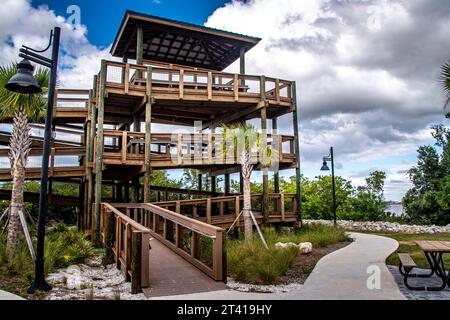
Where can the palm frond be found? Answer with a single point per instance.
(445, 81)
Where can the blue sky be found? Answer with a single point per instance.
(366, 71)
(193, 11)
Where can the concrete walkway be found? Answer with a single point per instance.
(355, 272)
(9, 296)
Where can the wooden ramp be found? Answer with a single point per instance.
(170, 274)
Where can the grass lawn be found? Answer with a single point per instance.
(407, 245)
(251, 262)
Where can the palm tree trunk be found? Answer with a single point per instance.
(19, 144)
(246, 174)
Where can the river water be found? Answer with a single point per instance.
(396, 209)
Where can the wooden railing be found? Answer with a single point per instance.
(122, 147)
(71, 101)
(183, 236)
(129, 242)
(282, 207)
(183, 81)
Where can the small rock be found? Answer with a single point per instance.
(305, 247)
(281, 245)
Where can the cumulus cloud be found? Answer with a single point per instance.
(20, 23)
(366, 70)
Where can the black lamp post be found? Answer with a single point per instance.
(24, 82)
(330, 157)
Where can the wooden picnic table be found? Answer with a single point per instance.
(434, 251)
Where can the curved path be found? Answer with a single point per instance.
(355, 272)
(4, 295)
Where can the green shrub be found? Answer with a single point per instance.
(65, 246)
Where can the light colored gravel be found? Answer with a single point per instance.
(80, 282)
(382, 226)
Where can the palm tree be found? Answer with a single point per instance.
(245, 144)
(21, 108)
(445, 80)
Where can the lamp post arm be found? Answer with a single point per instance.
(38, 61)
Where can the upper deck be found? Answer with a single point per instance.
(182, 95)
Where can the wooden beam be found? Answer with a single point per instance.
(90, 158)
(99, 151)
(230, 117)
(297, 153)
(139, 48)
(242, 61)
(265, 173)
(276, 175)
(148, 132)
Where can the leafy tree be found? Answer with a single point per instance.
(428, 200)
(368, 202)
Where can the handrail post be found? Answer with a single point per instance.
(208, 210)
(136, 248)
(109, 237)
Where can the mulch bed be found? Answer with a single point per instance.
(305, 263)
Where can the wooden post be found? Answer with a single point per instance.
(109, 237)
(276, 175)
(99, 151)
(126, 191)
(227, 184)
(265, 198)
(136, 262)
(242, 61)
(213, 185)
(297, 154)
(139, 48)
(148, 133)
(237, 209)
(241, 183)
(199, 176)
(194, 245)
(208, 210)
(135, 190)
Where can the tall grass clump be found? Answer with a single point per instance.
(251, 262)
(319, 235)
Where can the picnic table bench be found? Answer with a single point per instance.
(434, 251)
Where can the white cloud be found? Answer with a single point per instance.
(20, 23)
(366, 71)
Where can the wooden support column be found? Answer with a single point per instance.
(148, 133)
(139, 48)
(199, 176)
(227, 184)
(90, 170)
(99, 152)
(265, 176)
(80, 212)
(213, 185)
(136, 260)
(297, 154)
(126, 191)
(135, 190)
(242, 61)
(276, 175)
